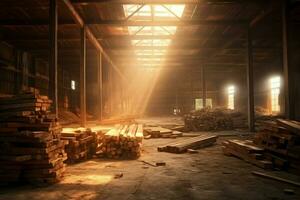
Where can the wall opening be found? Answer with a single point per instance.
(231, 94)
(199, 103)
(275, 91)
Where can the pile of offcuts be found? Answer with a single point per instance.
(214, 119)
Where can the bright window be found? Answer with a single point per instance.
(73, 85)
(275, 91)
(199, 103)
(231, 91)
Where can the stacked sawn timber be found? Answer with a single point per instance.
(247, 151)
(208, 119)
(30, 145)
(281, 140)
(123, 141)
(160, 132)
(81, 143)
(192, 143)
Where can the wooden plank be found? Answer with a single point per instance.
(139, 132)
(264, 175)
(191, 143)
(292, 126)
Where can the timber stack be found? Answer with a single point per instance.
(247, 151)
(81, 143)
(123, 141)
(209, 119)
(30, 145)
(281, 140)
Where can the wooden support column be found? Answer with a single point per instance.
(83, 77)
(110, 90)
(192, 97)
(100, 85)
(250, 83)
(53, 93)
(203, 86)
(287, 69)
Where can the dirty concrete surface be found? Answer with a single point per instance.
(206, 175)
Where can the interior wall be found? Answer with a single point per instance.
(20, 69)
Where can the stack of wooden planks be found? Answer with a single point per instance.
(192, 143)
(30, 145)
(160, 132)
(216, 119)
(246, 150)
(123, 141)
(81, 143)
(281, 141)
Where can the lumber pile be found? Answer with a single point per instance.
(281, 140)
(247, 151)
(209, 119)
(192, 143)
(123, 141)
(30, 145)
(160, 132)
(81, 143)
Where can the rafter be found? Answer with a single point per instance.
(183, 22)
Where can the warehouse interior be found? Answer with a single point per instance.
(149, 99)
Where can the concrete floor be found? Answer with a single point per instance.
(206, 175)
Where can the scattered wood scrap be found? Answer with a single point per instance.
(30, 145)
(246, 150)
(192, 143)
(123, 141)
(154, 164)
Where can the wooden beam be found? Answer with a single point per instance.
(287, 69)
(182, 22)
(263, 14)
(186, 37)
(83, 77)
(53, 93)
(250, 86)
(169, 48)
(85, 2)
(91, 36)
(253, 22)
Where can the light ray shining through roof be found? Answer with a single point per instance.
(139, 12)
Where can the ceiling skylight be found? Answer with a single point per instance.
(142, 12)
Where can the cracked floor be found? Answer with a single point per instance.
(206, 175)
